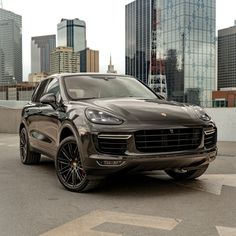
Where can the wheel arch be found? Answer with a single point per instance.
(67, 130)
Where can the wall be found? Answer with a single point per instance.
(225, 119)
(9, 120)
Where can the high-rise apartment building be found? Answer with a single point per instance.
(41, 47)
(227, 58)
(64, 60)
(72, 33)
(173, 40)
(10, 47)
(89, 60)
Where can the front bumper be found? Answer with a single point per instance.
(98, 163)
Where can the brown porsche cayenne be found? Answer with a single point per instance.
(94, 125)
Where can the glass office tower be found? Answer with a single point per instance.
(173, 39)
(72, 33)
(10, 47)
(227, 58)
(41, 47)
(138, 39)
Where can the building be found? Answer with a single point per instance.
(64, 60)
(41, 48)
(10, 47)
(137, 39)
(72, 33)
(37, 77)
(227, 57)
(180, 33)
(2, 66)
(158, 82)
(111, 68)
(89, 60)
(226, 97)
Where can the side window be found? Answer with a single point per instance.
(39, 91)
(33, 97)
(53, 87)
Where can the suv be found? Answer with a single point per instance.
(94, 125)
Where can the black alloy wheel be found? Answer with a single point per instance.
(179, 174)
(69, 167)
(27, 156)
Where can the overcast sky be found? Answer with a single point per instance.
(105, 22)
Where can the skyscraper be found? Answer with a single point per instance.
(227, 58)
(72, 33)
(41, 47)
(173, 39)
(10, 47)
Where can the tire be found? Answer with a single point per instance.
(27, 156)
(188, 174)
(69, 167)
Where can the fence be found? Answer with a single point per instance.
(17, 92)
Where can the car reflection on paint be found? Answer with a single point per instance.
(94, 125)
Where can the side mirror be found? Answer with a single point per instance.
(50, 99)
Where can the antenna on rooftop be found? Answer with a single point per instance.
(1, 4)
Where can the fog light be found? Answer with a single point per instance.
(109, 163)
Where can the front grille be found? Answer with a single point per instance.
(168, 140)
(210, 137)
(112, 144)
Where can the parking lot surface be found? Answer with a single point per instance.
(33, 202)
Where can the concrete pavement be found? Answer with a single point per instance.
(32, 201)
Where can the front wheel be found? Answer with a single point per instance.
(179, 174)
(69, 167)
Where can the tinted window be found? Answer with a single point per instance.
(53, 87)
(39, 91)
(82, 87)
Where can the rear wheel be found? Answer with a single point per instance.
(27, 156)
(69, 167)
(179, 174)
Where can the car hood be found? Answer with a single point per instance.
(143, 110)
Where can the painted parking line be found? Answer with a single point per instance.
(85, 224)
(226, 231)
(9, 145)
(13, 145)
(211, 183)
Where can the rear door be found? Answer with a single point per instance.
(31, 112)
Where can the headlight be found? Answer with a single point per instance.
(102, 117)
(201, 113)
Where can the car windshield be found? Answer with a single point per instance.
(89, 87)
